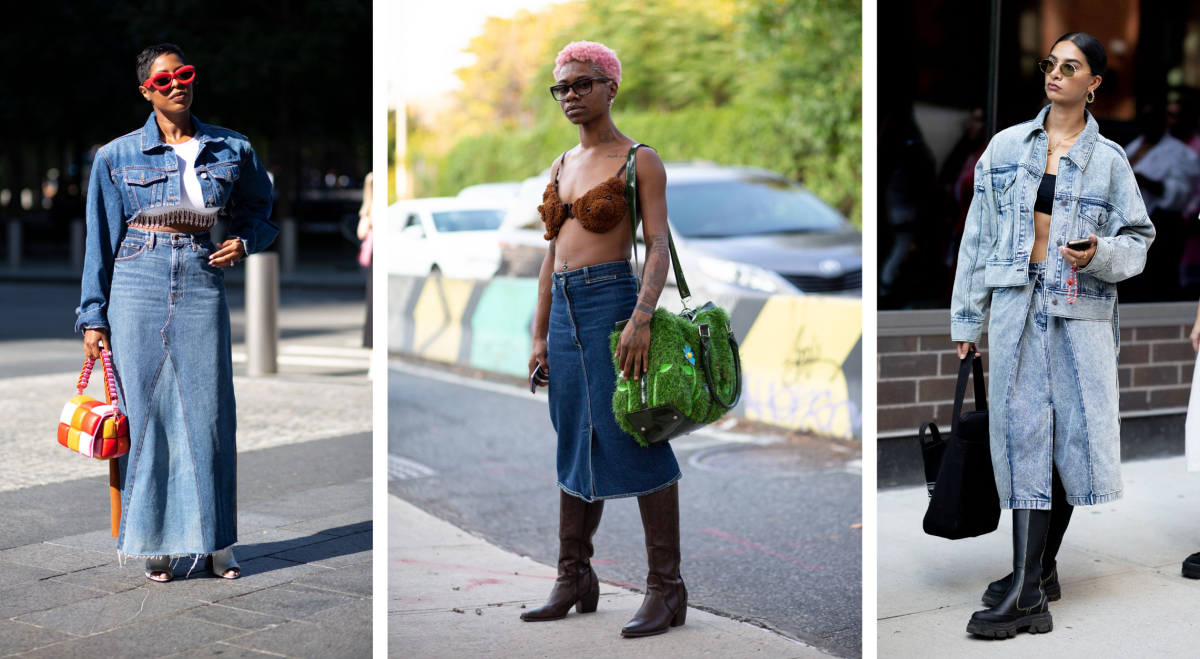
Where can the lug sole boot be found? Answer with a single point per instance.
(1025, 606)
(1191, 566)
(1060, 517)
(576, 584)
(665, 603)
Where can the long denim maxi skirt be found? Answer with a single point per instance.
(596, 459)
(1053, 399)
(169, 324)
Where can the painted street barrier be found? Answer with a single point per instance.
(801, 355)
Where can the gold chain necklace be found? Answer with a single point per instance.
(1051, 152)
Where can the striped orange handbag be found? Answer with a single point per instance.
(90, 427)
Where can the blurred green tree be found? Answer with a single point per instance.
(771, 83)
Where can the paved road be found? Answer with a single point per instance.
(766, 529)
(320, 329)
(304, 495)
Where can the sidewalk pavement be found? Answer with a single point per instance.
(304, 545)
(451, 594)
(272, 411)
(1123, 594)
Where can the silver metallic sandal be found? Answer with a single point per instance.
(223, 564)
(158, 568)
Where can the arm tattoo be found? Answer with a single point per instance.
(658, 259)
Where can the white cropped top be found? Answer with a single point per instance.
(191, 209)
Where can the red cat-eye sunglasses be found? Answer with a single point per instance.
(161, 81)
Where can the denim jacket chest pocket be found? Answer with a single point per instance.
(1008, 215)
(144, 187)
(217, 181)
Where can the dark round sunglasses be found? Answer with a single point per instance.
(1068, 69)
(582, 87)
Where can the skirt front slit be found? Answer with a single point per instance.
(596, 458)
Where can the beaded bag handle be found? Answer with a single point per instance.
(110, 383)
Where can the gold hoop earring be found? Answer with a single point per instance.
(1091, 97)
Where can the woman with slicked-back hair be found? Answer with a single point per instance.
(1056, 221)
(154, 294)
(586, 286)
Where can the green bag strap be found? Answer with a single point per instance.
(631, 199)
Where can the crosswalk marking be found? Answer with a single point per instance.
(404, 469)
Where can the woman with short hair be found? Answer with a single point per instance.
(154, 294)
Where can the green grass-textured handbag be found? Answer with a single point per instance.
(695, 372)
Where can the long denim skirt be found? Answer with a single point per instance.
(596, 459)
(169, 324)
(1053, 400)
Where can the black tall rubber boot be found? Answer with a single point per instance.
(1025, 606)
(1060, 517)
(577, 584)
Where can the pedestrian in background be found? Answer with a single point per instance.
(585, 287)
(153, 293)
(366, 255)
(1053, 334)
(1166, 170)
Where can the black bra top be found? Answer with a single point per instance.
(1045, 195)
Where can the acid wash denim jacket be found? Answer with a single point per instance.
(1094, 192)
(139, 171)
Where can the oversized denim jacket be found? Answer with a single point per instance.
(1095, 192)
(139, 171)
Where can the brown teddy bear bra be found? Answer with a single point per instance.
(599, 210)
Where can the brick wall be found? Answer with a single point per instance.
(918, 366)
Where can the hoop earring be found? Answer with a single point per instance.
(1091, 97)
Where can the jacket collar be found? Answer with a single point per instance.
(1081, 151)
(152, 137)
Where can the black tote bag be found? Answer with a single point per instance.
(963, 502)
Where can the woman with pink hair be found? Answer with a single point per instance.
(586, 286)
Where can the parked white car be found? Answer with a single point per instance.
(454, 236)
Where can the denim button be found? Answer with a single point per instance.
(1060, 242)
(1054, 302)
(203, 174)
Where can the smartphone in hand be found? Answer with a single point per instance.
(536, 378)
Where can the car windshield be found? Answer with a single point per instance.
(747, 206)
(475, 220)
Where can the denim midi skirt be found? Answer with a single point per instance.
(1053, 400)
(169, 326)
(596, 459)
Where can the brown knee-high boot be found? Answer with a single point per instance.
(577, 584)
(665, 604)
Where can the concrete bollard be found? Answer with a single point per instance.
(262, 313)
(78, 232)
(288, 235)
(14, 244)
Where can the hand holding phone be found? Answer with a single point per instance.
(537, 379)
(1079, 252)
